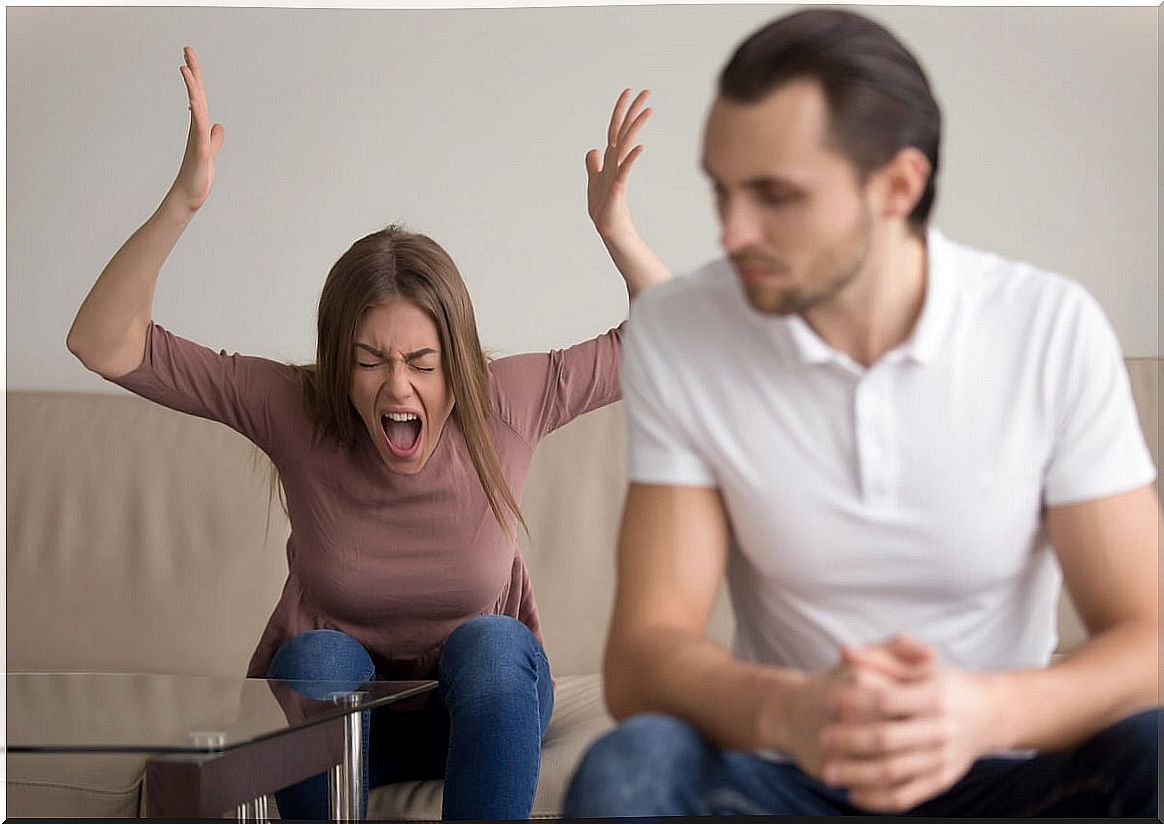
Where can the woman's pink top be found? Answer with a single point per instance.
(395, 561)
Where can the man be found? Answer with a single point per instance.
(894, 446)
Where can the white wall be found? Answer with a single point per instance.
(471, 125)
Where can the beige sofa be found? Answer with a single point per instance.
(140, 539)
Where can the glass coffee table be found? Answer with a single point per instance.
(213, 744)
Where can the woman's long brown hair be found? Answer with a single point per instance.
(394, 263)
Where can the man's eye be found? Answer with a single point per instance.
(772, 199)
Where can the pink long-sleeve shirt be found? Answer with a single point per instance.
(395, 561)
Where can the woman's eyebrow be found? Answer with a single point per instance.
(419, 353)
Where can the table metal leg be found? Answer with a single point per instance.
(337, 792)
(346, 780)
(253, 810)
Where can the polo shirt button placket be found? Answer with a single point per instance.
(877, 472)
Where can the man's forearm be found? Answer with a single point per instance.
(1110, 676)
(734, 704)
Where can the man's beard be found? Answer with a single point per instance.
(795, 300)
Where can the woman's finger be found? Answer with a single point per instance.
(188, 79)
(192, 62)
(632, 133)
(637, 106)
(616, 118)
(593, 163)
(625, 167)
(217, 135)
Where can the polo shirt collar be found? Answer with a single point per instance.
(807, 344)
(933, 324)
(924, 344)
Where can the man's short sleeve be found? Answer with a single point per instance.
(660, 447)
(1098, 448)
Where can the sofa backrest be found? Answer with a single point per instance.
(141, 539)
(137, 538)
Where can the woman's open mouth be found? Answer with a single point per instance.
(402, 433)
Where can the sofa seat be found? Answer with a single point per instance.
(79, 785)
(579, 718)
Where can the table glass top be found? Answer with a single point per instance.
(134, 712)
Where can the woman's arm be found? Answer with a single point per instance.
(109, 333)
(606, 195)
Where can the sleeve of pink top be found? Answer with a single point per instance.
(248, 394)
(537, 393)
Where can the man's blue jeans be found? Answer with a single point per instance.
(653, 765)
(481, 731)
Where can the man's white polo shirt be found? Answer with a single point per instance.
(906, 496)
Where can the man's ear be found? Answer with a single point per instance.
(901, 182)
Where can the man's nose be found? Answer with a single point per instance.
(739, 227)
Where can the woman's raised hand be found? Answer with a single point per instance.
(196, 176)
(607, 173)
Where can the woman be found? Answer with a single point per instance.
(402, 452)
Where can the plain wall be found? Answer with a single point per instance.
(471, 126)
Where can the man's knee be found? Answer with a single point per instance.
(1140, 735)
(1135, 740)
(1130, 748)
(645, 766)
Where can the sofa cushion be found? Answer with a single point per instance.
(60, 785)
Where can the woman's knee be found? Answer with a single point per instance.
(494, 645)
(322, 655)
(645, 766)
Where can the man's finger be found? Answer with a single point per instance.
(856, 702)
(881, 772)
(909, 648)
(882, 737)
(901, 797)
(885, 658)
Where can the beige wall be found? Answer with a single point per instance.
(471, 125)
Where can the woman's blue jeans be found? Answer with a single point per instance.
(481, 731)
(655, 765)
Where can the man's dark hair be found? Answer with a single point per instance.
(878, 96)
